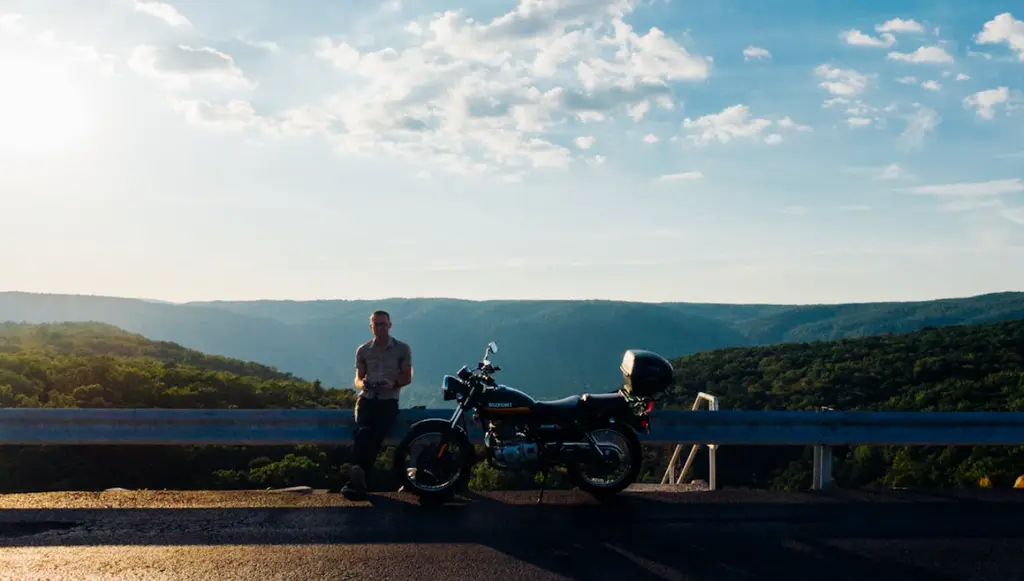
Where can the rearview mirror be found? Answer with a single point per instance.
(493, 347)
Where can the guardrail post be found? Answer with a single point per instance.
(669, 476)
(822, 477)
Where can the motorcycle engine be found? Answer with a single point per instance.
(516, 453)
(508, 447)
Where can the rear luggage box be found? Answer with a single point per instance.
(645, 373)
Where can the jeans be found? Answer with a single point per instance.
(374, 418)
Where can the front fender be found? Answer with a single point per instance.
(443, 426)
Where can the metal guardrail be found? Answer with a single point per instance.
(822, 429)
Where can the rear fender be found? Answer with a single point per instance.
(607, 409)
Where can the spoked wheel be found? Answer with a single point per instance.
(623, 456)
(433, 461)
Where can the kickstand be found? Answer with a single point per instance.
(543, 483)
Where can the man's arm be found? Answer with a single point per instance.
(360, 380)
(405, 377)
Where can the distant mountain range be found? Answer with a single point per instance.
(547, 348)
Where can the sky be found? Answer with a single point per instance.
(786, 151)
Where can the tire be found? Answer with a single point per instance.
(434, 426)
(636, 458)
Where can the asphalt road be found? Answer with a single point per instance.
(723, 535)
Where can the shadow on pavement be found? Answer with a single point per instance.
(638, 536)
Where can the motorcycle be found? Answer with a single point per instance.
(521, 433)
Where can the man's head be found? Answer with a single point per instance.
(380, 324)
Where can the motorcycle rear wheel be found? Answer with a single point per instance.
(635, 457)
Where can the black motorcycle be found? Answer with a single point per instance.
(521, 433)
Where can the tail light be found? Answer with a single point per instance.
(650, 406)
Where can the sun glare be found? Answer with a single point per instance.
(42, 111)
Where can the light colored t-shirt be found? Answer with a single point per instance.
(383, 363)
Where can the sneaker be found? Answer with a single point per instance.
(355, 488)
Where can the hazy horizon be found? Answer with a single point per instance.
(384, 298)
(789, 152)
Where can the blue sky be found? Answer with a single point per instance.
(724, 151)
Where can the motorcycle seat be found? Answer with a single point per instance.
(566, 403)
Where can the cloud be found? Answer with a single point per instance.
(755, 53)
(931, 85)
(967, 196)
(165, 12)
(10, 22)
(893, 171)
(650, 138)
(474, 96)
(971, 189)
(584, 142)
(898, 25)
(681, 177)
(855, 37)
(734, 122)
(858, 121)
(1014, 215)
(923, 55)
(920, 124)
(232, 115)
(842, 82)
(985, 102)
(1004, 28)
(178, 65)
(962, 77)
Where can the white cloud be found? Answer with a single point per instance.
(972, 189)
(681, 177)
(855, 208)
(920, 124)
(179, 65)
(650, 138)
(755, 53)
(858, 121)
(585, 142)
(898, 25)
(931, 85)
(471, 96)
(773, 139)
(788, 123)
(165, 12)
(962, 77)
(893, 171)
(923, 55)
(1004, 28)
(976, 54)
(734, 122)
(986, 101)
(907, 80)
(855, 37)
(842, 82)
(9, 22)
(1014, 215)
(232, 115)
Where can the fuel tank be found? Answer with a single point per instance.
(504, 400)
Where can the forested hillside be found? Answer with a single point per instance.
(976, 367)
(955, 368)
(549, 348)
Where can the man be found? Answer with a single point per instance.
(383, 368)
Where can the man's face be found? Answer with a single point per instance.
(380, 325)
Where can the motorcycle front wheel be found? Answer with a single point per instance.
(625, 459)
(433, 460)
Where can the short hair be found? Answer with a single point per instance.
(379, 313)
